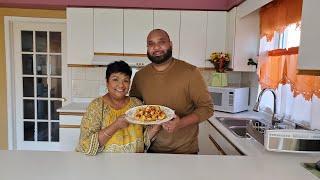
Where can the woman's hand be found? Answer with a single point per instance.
(121, 122)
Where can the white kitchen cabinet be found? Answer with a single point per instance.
(79, 35)
(169, 21)
(108, 30)
(242, 41)
(206, 146)
(137, 25)
(216, 34)
(69, 132)
(213, 142)
(310, 27)
(193, 32)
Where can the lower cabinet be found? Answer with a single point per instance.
(69, 131)
(213, 142)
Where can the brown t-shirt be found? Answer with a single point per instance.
(181, 88)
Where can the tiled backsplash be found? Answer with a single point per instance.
(89, 82)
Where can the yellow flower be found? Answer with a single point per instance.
(217, 56)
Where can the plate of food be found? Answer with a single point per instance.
(149, 114)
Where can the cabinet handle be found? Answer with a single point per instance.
(69, 126)
(217, 145)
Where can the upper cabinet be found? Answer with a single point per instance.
(310, 38)
(216, 34)
(137, 25)
(242, 40)
(169, 21)
(80, 35)
(100, 36)
(108, 31)
(193, 37)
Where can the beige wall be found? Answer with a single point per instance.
(3, 96)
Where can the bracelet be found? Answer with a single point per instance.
(106, 134)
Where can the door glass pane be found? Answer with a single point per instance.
(42, 131)
(55, 131)
(55, 42)
(54, 106)
(42, 87)
(28, 131)
(27, 41)
(56, 88)
(28, 87)
(27, 64)
(28, 109)
(42, 109)
(41, 41)
(55, 64)
(41, 64)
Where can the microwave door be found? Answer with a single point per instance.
(217, 98)
(221, 101)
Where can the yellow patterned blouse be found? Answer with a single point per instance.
(100, 115)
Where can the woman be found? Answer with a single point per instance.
(104, 127)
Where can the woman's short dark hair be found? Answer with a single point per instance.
(118, 67)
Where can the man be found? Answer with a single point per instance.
(177, 85)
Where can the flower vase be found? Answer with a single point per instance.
(219, 79)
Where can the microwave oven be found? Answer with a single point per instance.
(230, 99)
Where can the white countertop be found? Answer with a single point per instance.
(258, 164)
(32, 165)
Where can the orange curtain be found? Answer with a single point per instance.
(278, 14)
(280, 67)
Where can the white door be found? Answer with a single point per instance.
(40, 75)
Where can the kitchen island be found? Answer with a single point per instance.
(33, 165)
(257, 163)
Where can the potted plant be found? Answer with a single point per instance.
(220, 61)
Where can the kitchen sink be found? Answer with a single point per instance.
(245, 127)
(240, 131)
(251, 127)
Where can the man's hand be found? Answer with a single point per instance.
(173, 125)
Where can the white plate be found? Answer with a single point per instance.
(130, 115)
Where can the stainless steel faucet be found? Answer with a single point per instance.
(256, 106)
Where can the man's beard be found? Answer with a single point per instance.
(160, 59)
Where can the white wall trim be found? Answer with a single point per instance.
(37, 20)
(9, 78)
(8, 37)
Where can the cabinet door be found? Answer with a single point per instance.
(137, 25)
(69, 132)
(310, 38)
(193, 37)
(79, 35)
(206, 146)
(246, 42)
(170, 22)
(224, 145)
(216, 34)
(108, 30)
(231, 32)
(69, 138)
